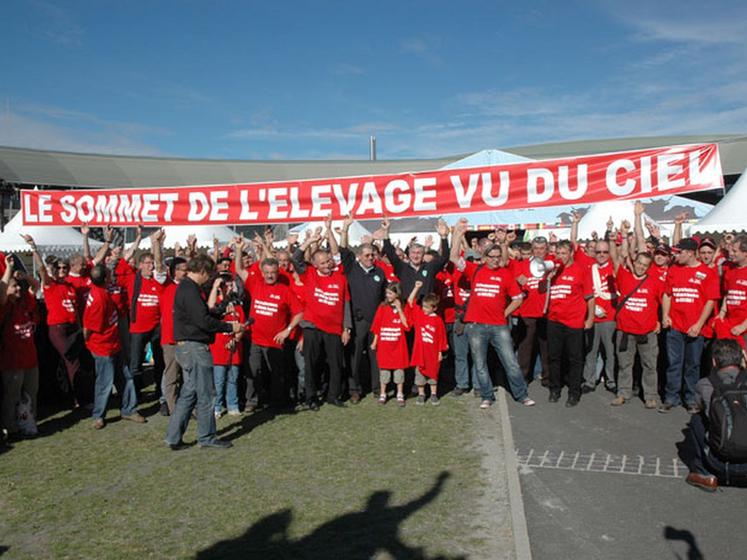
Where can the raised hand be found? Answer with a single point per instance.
(442, 228)
(348, 221)
(30, 240)
(576, 216)
(681, 217)
(638, 208)
(84, 229)
(108, 233)
(291, 238)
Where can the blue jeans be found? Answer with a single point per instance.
(683, 352)
(197, 389)
(460, 348)
(109, 369)
(225, 378)
(499, 337)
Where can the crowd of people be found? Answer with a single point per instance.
(317, 322)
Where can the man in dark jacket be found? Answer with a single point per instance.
(194, 329)
(707, 469)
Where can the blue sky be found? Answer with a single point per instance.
(313, 79)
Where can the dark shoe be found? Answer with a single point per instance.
(135, 418)
(665, 407)
(338, 403)
(554, 396)
(544, 381)
(164, 411)
(313, 406)
(250, 408)
(355, 397)
(216, 444)
(706, 482)
(693, 409)
(610, 386)
(586, 389)
(458, 392)
(177, 446)
(571, 402)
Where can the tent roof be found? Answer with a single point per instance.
(65, 169)
(729, 213)
(48, 239)
(204, 234)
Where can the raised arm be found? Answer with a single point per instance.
(40, 266)
(130, 251)
(346, 223)
(443, 251)
(156, 244)
(575, 219)
(5, 280)
(84, 231)
(100, 255)
(677, 233)
(456, 241)
(329, 234)
(299, 255)
(414, 293)
(239, 245)
(640, 237)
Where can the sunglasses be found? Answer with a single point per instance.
(62, 267)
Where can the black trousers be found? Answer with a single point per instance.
(138, 341)
(317, 345)
(565, 343)
(361, 352)
(530, 338)
(273, 362)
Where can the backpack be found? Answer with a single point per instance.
(727, 431)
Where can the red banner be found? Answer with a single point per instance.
(580, 180)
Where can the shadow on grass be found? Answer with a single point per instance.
(352, 536)
(252, 421)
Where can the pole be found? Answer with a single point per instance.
(372, 148)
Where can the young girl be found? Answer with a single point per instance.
(388, 327)
(430, 342)
(227, 350)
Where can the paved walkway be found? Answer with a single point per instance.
(606, 482)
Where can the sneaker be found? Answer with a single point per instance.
(619, 400)
(236, 412)
(400, 400)
(216, 444)
(486, 403)
(665, 407)
(382, 398)
(98, 423)
(218, 414)
(458, 392)
(420, 400)
(135, 417)
(650, 404)
(554, 396)
(434, 400)
(528, 402)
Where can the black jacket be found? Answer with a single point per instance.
(192, 318)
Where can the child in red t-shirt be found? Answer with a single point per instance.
(430, 342)
(389, 326)
(227, 350)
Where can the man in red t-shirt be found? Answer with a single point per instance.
(494, 296)
(101, 334)
(275, 311)
(734, 308)
(638, 327)
(571, 311)
(172, 373)
(690, 294)
(144, 291)
(326, 320)
(530, 334)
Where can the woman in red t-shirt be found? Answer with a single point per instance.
(18, 361)
(65, 333)
(389, 343)
(227, 350)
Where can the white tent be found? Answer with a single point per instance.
(59, 240)
(205, 235)
(729, 214)
(595, 219)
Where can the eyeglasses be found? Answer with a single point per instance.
(603, 252)
(492, 256)
(62, 267)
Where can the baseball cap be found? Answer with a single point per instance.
(707, 242)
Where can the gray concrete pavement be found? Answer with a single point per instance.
(606, 482)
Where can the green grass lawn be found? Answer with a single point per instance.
(364, 482)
